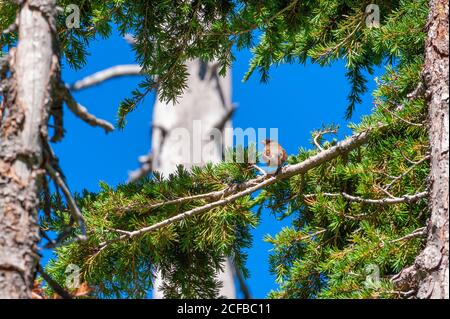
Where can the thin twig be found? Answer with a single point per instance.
(320, 134)
(399, 117)
(178, 201)
(105, 75)
(383, 201)
(145, 168)
(406, 173)
(253, 185)
(242, 284)
(83, 113)
(420, 232)
(73, 208)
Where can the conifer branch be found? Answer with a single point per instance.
(105, 75)
(82, 112)
(250, 187)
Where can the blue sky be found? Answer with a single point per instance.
(297, 100)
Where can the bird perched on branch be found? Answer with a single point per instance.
(273, 154)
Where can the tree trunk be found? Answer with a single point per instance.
(429, 275)
(181, 134)
(22, 130)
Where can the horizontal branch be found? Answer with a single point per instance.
(83, 113)
(399, 117)
(383, 201)
(105, 75)
(229, 195)
(53, 284)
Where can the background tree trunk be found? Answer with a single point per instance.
(205, 105)
(22, 130)
(430, 274)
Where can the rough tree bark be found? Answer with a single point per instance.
(23, 129)
(182, 132)
(429, 276)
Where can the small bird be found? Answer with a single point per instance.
(273, 154)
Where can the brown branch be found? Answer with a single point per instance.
(383, 201)
(251, 186)
(73, 208)
(320, 134)
(242, 284)
(145, 168)
(399, 117)
(82, 112)
(53, 284)
(406, 173)
(105, 75)
(420, 232)
(312, 235)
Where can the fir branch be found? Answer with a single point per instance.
(105, 75)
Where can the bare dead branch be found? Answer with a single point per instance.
(220, 125)
(383, 201)
(419, 91)
(105, 75)
(251, 186)
(145, 168)
(83, 113)
(130, 39)
(399, 117)
(406, 172)
(420, 232)
(73, 208)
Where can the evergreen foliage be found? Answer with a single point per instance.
(334, 242)
(188, 254)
